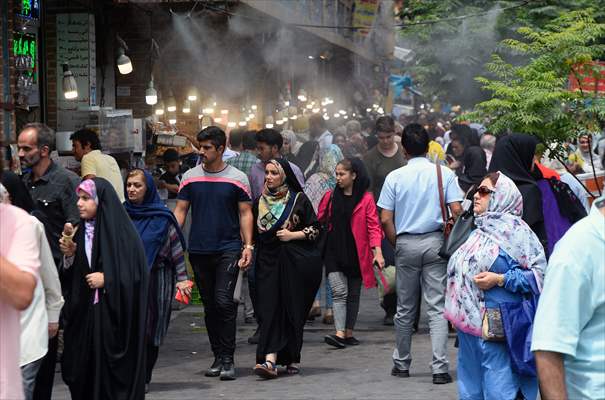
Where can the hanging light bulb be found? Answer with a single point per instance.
(279, 122)
(243, 123)
(224, 112)
(231, 124)
(171, 103)
(159, 108)
(254, 107)
(172, 119)
(192, 95)
(269, 126)
(123, 61)
(151, 95)
(70, 87)
(315, 110)
(186, 107)
(302, 95)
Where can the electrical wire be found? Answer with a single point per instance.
(401, 25)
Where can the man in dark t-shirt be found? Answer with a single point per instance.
(171, 179)
(221, 213)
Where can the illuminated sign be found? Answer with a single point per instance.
(28, 8)
(25, 53)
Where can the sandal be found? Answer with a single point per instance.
(292, 370)
(266, 370)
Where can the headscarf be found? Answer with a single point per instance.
(19, 195)
(514, 156)
(152, 219)
(274, 205)
(324, 179)
(293, 140)
(361, 184)
(590, 157)
(88, 186)
(499, 228)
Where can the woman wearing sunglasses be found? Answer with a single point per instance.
(501, 261)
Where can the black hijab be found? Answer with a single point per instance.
(291, 179)
(514, 157)
(360, 187)
(113, 330)
(15, 187)
(308, 158)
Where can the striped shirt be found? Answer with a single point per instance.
(214, 199)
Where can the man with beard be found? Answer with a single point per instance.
(53, 190)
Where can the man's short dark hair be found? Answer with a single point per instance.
(170, 155)
(45, 136)
(86, 136)
(235, 137)
(415, 140)
(318, 120)
(249, 140)
(270, 137)
(215, 135)
(385, 124)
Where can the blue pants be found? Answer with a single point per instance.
(485, 372)
(328, 296)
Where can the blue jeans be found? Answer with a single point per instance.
(328, 296)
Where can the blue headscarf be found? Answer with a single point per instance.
(151, 219)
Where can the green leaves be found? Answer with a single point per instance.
(534, 97)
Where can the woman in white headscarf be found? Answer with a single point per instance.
(291, 145)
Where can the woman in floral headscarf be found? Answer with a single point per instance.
(288, 268)
(318, 184)
(501, 261)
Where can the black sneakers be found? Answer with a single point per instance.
(440, 379)
(228, 369)
(400, 373)
(335, 341)
(215, 368)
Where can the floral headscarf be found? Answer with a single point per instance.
(499, 228)
(273, 202)
(88, 186)
(324, 179)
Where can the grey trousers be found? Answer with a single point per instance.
(345, 294)
(28, 376)
(419, 264)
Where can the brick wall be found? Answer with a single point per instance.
(50, 30)
(8, 137)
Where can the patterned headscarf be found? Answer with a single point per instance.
(272, 202)
(88, 186)
(324, 179)
(499, 228)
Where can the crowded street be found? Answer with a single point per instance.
(302, 199)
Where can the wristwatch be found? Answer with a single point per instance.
(249, 246)
(501, 280)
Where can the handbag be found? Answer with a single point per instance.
(518, 321)
(492, 329)
(448, 223)
(386, 279)
(462, 229)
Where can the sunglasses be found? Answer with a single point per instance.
(484, 191)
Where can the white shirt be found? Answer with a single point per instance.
(45, 306)
(228, 153)
(411, 192)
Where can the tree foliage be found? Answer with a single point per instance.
(534, 97)
(450, 54)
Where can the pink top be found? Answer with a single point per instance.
(366, 231)
(19, 245)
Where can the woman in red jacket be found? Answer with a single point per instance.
(352, 219)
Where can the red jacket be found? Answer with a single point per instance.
(366, 231)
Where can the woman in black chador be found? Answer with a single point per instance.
(106, 299)
(288, 268)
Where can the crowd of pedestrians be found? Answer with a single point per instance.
(98, 259)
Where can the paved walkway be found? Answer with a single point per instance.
(361, 372)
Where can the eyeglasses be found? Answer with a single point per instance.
(484, 191)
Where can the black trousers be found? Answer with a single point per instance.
(45, 378)
(152, 357)
(215, 277)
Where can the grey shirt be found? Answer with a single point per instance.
(54, 194)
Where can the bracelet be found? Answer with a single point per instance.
(249, 247)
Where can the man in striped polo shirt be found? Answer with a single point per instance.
(221, 213)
